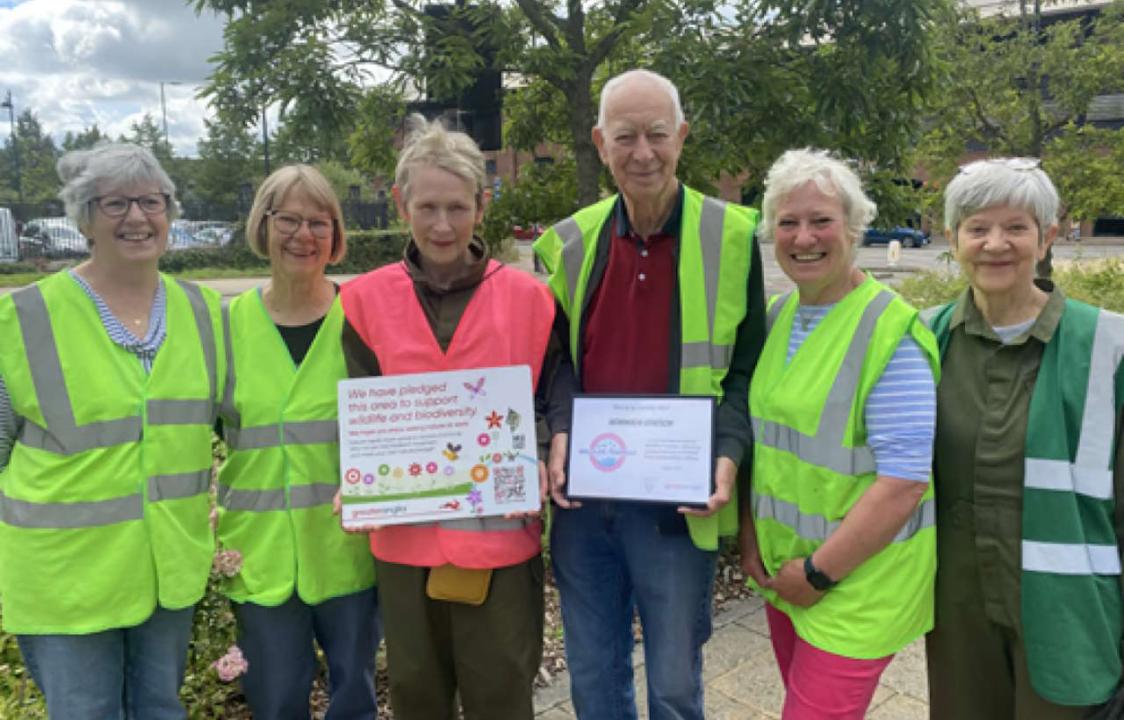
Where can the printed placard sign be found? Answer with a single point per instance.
(437, 446)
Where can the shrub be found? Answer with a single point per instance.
(1097, 282)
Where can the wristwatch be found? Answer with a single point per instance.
(816, 577)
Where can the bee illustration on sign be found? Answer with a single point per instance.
(451, 451)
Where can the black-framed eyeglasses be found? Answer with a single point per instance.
(289, 223)
(115, 206)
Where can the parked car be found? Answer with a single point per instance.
(907, 236)
(530, 232)
(52, 237)
(180, 237)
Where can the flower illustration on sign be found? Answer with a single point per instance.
(431, 467)
(476, 500)
(415, 469)
(478, 473)
(495, 420)
(483, 439)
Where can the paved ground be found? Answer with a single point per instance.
(742, 681)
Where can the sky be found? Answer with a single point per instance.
(79, 62)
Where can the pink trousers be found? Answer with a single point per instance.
(820, 685)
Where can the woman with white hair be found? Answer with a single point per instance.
(112, 373)
(838, 535)
(1028, 465)
(448, 306)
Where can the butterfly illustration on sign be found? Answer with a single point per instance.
(476, 389)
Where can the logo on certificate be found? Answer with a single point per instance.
(607, 452)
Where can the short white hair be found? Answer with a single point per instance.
(663, 83)
(833, 177)
(107, 168)
(1009, 181)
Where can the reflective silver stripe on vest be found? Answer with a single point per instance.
(178, 485)
(1064, 476)
(1070, 558)
(573, 252)
(70, 516)
(826, 449)
(251, 500)
(307, 496)
(180, 412)
(306, 432)
(703, 354)
(817, 528)
(231, 416)
(707, 354)
(62, 435)
(483, 524)
(206, 332)
(775, 311)
(300, 497)
(1090, 474)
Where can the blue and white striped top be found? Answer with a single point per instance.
(901, 411)
(144, 348)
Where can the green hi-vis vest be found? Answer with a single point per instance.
(714, 264)
(282, 469)
(104, 504)
(811, 464)
(1070, 596)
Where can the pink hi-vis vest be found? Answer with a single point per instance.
(507, 322)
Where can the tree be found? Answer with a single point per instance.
(84, 139)
(1017, 84)
(758, 75)
(37, 158)
(315, 59)
(229, 158)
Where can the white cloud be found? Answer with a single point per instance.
(80, 62)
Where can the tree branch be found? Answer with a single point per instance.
(546, 24)
(605, 44)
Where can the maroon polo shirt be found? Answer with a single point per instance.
(627, 333)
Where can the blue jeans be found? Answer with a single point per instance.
(132, 673)
(277, 644)
(610, 558)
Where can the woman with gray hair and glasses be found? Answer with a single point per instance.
(111, 373)
(1029, 469)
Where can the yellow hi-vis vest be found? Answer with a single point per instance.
(104, 504)
(282, 467)
(715, 239)
(811, 464)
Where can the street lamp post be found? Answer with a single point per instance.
(164, 110)
(7, 103)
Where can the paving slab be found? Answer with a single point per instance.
(742, 680)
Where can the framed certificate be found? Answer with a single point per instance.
(648, 448)
(437, 446)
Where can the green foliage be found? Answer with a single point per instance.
(372, 143)
(366, 250)
(544, 194)
(84, 139)
(927, 289)
(229, 157)
(1097, 282)
(1017, 86)
(343, 178)
(37, 158)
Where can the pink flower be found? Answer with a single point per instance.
(231, 665)
(228, 563)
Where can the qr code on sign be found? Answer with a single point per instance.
(518, 441)
(509, 484)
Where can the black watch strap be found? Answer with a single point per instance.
(816, 578)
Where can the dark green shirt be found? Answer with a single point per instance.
(983, 404)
